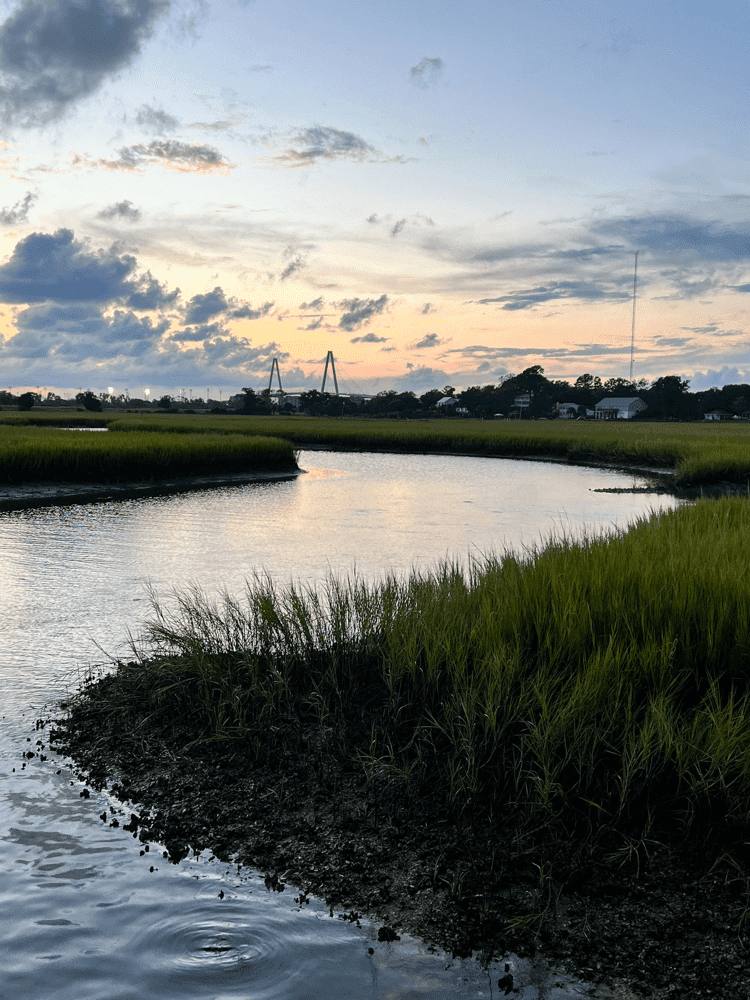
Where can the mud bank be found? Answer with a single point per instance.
(651, 920)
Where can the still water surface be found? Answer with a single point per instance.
(81, 913)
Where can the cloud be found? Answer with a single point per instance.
(202, 308)
(373, 219)
(18, 212)
(57, 267)
(322, 143)
(312, 306)
(427, 72)
(296, 261)
(530, 297)
(314, 324)
(676, 233)
(120, 210)
(184, 156)
(398, 227)
(359, 311)
(318, 142)
(71, 333)
(156, 120)
(369, 338)
(427, 308)
(429, 340)
(53, 55)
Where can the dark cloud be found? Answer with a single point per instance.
(426, 72)
(199, 333)
(296, 261)
(369, 338)
(312, 306)
(675, 233)
(359, 311)
(321, 143)
(398, 227)
(429, 340)
(148, 293)
(120, 210)
(156, 120)
(314, 324)
(427, 308)
(170, 152)
(530, 297)
(80, 332)
(54, 54)
(55, 267)
(18, 212)
(247, 312)
(373, 219)
(204, 307)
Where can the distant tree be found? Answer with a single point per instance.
(90, 401)
(429, 398)
(668, 396)
(26, 400)
(164, 403)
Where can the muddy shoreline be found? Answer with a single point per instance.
(659, 920)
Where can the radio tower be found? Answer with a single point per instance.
(632, 328)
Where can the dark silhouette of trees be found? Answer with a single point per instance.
(26, 400)
(89, 400)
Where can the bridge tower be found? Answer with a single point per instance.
(329, 357)
(275, 367)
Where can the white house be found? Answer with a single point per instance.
(619, 408)
(717, 415)
(450, 401)
(567, 411)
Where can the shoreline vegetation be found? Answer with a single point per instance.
(30, 453)
(551, 749)
(687, 457)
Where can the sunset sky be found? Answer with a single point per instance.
(435, 192)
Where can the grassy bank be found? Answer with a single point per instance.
(552, 746)
(697, 453)
(29, 453)
(599, 687)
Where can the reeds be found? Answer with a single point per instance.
(583, 692)
(30, 454)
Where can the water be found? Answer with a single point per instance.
(82, 915)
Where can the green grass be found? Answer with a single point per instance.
(33, 453)
(697, 453)
(589, 692)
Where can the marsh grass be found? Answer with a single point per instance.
(586, 693)
(697, 453)
(29, 453)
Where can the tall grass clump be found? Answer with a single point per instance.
(30, 454)
(572, 693)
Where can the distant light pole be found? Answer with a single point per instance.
(146, 394)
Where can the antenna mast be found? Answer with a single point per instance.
(632, 329)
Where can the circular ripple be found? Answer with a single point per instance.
(196, 948)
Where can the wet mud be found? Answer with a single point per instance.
(653, 919)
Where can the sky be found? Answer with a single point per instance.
(438, 193)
